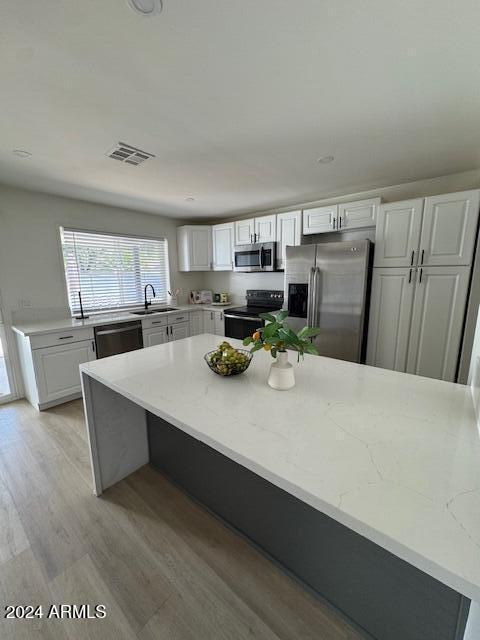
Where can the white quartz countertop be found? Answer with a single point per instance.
(62, 324)
(394, 457)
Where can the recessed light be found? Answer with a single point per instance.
(21, 153)
(326, 159)
(190, 199)
(146, 7)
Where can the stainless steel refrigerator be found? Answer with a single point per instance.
(327, 286)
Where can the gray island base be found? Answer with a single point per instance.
(383, 594)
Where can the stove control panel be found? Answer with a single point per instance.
(264, 296)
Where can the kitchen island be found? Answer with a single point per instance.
(363, 483)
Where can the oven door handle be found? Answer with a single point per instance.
(228, 315)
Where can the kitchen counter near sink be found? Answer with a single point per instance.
(393, 457)
(34, 328)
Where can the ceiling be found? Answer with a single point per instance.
(237, 99)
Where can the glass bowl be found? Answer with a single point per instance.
(223, 368)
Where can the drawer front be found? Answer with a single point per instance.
(184, 316)
(160, 320)
(61, 337)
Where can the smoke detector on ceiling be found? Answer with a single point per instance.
(146, 8)
(126, 153)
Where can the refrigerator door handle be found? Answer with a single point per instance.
(310, 297)
(316, 297)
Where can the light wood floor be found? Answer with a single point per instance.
(164, 568)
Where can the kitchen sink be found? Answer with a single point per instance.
(147, 312)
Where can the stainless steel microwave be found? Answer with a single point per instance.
(255, 257)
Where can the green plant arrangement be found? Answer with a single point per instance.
(277, 337)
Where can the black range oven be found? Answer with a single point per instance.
(241, 322)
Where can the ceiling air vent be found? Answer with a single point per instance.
(126, 153)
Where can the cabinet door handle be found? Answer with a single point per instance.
(340, 222)
(410, 276)
(93, 346)
(420, 278)
(423, 253)
(65, 337)
(412, 258)
(211, 315)
(334, 222)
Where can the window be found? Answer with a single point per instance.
(111, 271)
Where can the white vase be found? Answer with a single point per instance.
(281, 373)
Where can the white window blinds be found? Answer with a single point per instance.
(111, 271)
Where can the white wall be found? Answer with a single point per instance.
(394, 193)
(237, 283)
(31, 266)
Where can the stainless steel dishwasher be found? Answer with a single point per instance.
(120, 337)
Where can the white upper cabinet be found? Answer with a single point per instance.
(244, 231)
(355, 215)
(449, 229)
(222, 241)
(194, 247)
(338, 217)
(253, 230)
(289, 233)
(390, 314)
(437, 321)
(397, 235)
(320, 219)
(265, 229)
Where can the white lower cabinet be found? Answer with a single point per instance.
(416, 319)
(152, 337)
(178, 331)
(437, 321)
(196, 323)
(57, 369)
(169, 329)
(390, 315)
(214, 322)
(219, 323)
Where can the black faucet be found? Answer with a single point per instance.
(147, 304)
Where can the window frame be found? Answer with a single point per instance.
(105, 310)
